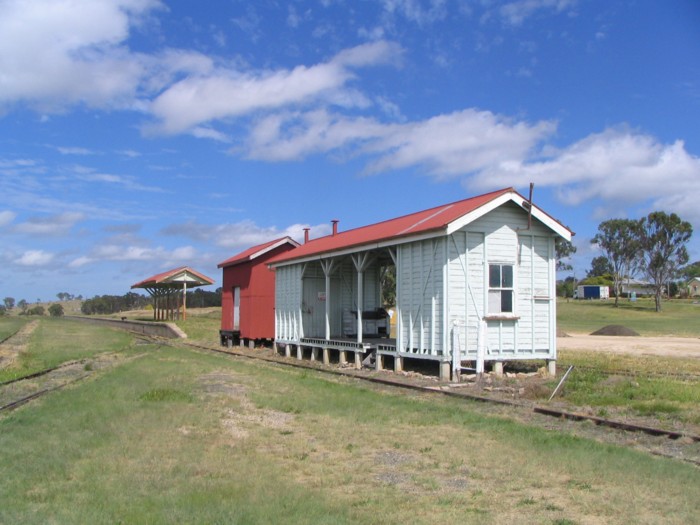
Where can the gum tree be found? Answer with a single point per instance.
(619, 241)
(662, 240)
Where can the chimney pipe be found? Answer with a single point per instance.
(306, 235)
(335, 226)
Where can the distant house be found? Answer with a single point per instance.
(694, 287)
(636, 286)
(475, 281)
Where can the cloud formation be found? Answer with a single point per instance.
(617, 165)
(54, 53)
(225, 93)
(59, 53)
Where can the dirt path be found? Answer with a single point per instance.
(660, 346)
(15, 344)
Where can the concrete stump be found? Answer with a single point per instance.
(498, 368)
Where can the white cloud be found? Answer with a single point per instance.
(515, 13)
(241, 235)
(80, 261)
(617, 166)
(447, 145)
(225, 93)
(457, 143)
(128, 182)
(6, 217)
(53, 225)
(35, 258)
(414, 11)
(54, 52)
(292, 136)
(202, 132)
(74, 151)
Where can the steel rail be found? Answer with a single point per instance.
(41, 372)
(683, 376)
(19, 402)
(547, 411)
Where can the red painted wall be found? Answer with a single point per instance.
(257, 308)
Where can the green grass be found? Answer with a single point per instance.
(202, 326)
(678, 317)
(9, 325)
(643, 395)
(175, 436)
(57, 341)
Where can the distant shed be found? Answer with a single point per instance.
(591, 291)
(248, 293)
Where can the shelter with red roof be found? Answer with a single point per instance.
(475, 282)
(169, 291)
(248, 293)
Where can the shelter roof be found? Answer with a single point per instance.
(176, 276)
(444, 219)
(257, 251)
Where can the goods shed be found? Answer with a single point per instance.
(248, 293)
(475, 282)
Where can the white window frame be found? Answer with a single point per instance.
(497, 309)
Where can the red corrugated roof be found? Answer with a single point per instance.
(164, 277)
(256, 251)
(416, 223)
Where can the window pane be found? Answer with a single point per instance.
(507, 276)
(506, 301)
(494, 276)
(495, 301)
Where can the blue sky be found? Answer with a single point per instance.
(142, 135)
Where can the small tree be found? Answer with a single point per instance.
(564, 250)
(37, 310)
(23, 305)
(600, 265)
(662, 240)
(9, 302)
(56, 310)
(691, 270)
(618, 238)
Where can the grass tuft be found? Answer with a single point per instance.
(166, 394)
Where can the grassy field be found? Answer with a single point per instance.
(175, 436)
(56, 341)
(9, 325)
(678, 317)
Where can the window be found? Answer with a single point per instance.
(500, 288)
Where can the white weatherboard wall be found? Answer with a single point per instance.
(501, 237)
(301, 296)
(288, 325)
(420, 297)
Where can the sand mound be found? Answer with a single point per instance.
(615, 329)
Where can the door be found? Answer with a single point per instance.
(236, 309)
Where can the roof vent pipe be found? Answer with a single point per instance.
(306, 235)
(335, 226)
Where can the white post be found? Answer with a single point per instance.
(360, 302)
(481, 347)
(184, 301)
(456, 354)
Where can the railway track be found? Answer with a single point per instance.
(390, 382)
(35, 395)
(543, 410)
(11, 399)
(681, 376)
